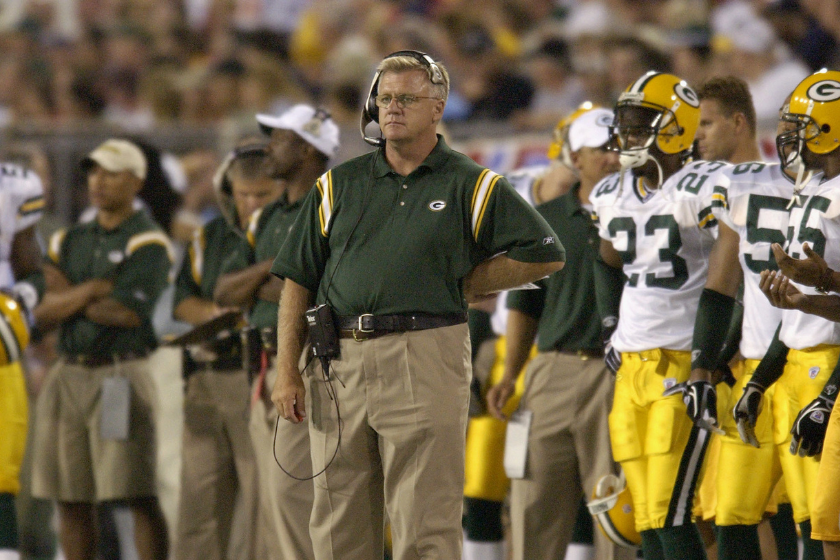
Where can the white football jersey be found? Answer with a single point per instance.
(816, 221)
(752, 199)
(21, 206)
(524, 180)
(664, 238)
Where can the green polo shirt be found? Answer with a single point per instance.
(202, 264)
(565, 302)
(136, 256)
(369, 240)
(267, 229)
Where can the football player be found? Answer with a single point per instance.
(669, 273)
(21, 283)
(752, 199)
(809, 146)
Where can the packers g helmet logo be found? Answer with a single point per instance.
(437, 205)
(686, 94)
(826, 90)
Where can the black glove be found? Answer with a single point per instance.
(746, 412)
(612, 358)
(810, 426)
(700, 402)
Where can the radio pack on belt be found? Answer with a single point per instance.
(323, 334)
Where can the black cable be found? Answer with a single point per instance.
(325, 369)
(333, 397)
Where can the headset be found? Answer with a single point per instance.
(370, 112)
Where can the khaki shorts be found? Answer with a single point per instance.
(72, 462)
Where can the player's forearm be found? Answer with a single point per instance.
(502, 273)
(519, 337)
(58, 305)
(109, 312)
(825, 306)
(195, 310)
(271, 289)
(240, 288)
(291, 325)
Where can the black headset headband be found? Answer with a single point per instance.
(370, 113)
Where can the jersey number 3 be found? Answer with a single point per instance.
(666, 254)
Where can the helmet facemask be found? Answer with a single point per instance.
(636, 130)
(797, 130)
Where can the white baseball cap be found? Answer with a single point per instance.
(314, 126)
(590, 130)
(118, 155)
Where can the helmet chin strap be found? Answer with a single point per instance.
(802, 178)
(633, 159)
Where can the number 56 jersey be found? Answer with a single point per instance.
(664, 238)
(752, 199)
(814, 220)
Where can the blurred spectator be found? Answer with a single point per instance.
(627, 59)
(558, 90)
(488, 82)
(803, 33)
(755, 54)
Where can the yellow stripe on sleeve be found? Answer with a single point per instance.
(196, 253)
(135, 242)
(484, 187)
(54, 250)
(251, 231)
(325, 187)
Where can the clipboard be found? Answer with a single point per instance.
(208, 330)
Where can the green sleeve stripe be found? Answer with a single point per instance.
(719, 198)
(140, 240)
(325, 189)
(707, 219)
(484, 187)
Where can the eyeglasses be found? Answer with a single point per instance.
(403, 100)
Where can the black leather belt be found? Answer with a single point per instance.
(584, 354)
(367, 326)
(99, 360)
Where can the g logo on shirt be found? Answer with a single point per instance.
(437, 205)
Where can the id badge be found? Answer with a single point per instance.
(516, 443)
(115, 405)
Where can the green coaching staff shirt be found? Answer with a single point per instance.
(565, 304)
(136, 256)
(369, 240)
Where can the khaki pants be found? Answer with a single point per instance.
(285, 504)
(568, 451)
(403, 402)
(218, 470)
(72, 462)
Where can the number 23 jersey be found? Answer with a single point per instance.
(664, 238)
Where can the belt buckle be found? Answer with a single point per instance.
(583, 355)
(361, 329)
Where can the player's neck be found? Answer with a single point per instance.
(111, 219)
(745, 153)
(298, 186)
